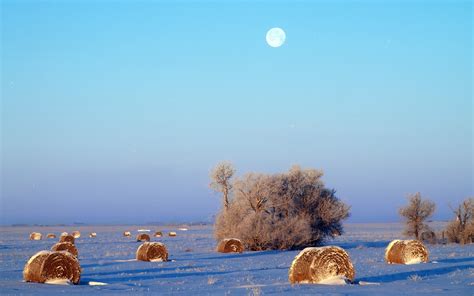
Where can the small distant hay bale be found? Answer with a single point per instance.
(406, 252)
(230, 245)
(429, 237)
(158, 234)
(76, 234)
(152, 252)
(66, 238)
(36, 236)
(127, 234)
(64, 233)
(51, 235)
(92, 234)
(143, 237)
(46, 266)
(65, 246)
(315, 265)
(172, 233)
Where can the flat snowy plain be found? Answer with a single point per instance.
(195, 267)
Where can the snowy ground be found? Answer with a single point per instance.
(197, 269)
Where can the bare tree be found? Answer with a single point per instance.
(415, 215)
(461, 229)
(221, 177)
(290, 210)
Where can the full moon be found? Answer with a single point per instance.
(276, 37)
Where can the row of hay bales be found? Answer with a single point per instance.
(320, 264)
(142, 237)
(312, 265)
(75, 234)
(60, 263)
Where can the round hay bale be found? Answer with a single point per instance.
(51, 235)
(152, 252)
(65, 246)
(66, 238)
(76, 234)
(406, 252)
(92, 234)
(127, 234)
(172, 233)
(45, 266)
(314, 265)
(36, 236)
(64, 233)
(230, 245)
(143, 237)
(158, 234)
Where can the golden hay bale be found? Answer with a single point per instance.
(76, 234)
(92, 234)
(172, 233)
(152, 252)
(314, 265)
(406, 252)
(36, 236)
(127, 234)
(158, 234)
(51, 235)
(66, 238)
(143, 237)
(65, 246)
(230, 245)
(45, 266)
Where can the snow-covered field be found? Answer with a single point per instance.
(195, 267)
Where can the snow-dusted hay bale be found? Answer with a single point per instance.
(65, 246)
(172, 233)
(158, 234)
(46, 266)
(152, 252)
(406, 252)
(66, 238)
(92, 234)
(428, 237)
(51, 235)
(143, 237)
(36, 236)
(316, 265)
(127, 234)
(76, 234)
(230, 245)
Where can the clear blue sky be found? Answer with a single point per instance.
(114, 112)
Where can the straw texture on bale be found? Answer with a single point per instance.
(92, 234)
(65, 246)
(45, 266)
(36, 236)
(143, 237)
(230, 245)
(406, 252)
(152, 252)
(51, 235)
(76, 234)
(172, 233)
(127, 234)
(66, 238)
(158, 234)
(313, 265)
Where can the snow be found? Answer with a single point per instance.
(196, 268)
(62, 282)
(334, 280)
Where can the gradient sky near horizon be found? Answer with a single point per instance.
(115, 112)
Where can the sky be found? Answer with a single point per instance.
(115, 112)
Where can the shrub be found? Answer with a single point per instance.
(290, 210)
(415, 214)
(461, 229)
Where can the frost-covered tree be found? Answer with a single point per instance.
(461, 229)
(415, 215)
(291, 210)
(221, 177)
